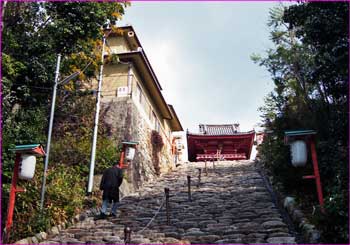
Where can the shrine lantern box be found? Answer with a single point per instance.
(130, 153)
(298, 152)
(297, 140)
(27, 167)
(27, 163)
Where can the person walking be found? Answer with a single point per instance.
(112, 178)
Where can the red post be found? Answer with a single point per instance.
(12, 198)
(121, 161)
(317, 175)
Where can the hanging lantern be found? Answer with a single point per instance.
(298, 152)
(130, 153)
(27, 167)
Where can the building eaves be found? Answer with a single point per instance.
(129, 27)
(223, 135)
(127, 56)
(175, 120)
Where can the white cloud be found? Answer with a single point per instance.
(200, 54)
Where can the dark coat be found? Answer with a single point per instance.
(111, 180)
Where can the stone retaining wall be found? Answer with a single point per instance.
(126, 123)
(308, 230)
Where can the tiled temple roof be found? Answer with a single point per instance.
(219, 129)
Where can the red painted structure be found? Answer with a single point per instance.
(309, 137)
(219, 142)
(125, 144)
(35, 149)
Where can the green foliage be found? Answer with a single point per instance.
(309, 67)
(21, 127)
(73, 135)
(33, 34)
(333, 159)
(64, 197)
(107, 154)
(65, 193)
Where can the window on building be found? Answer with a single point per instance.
(147, 110)
(153, 119)
(143, 100)
(155, 122)
(150, 113)
(138, 92)
(157, 126)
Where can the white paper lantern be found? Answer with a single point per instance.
(27, 167)
(129, 153)
(298, 153)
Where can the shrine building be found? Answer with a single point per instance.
(219, 142)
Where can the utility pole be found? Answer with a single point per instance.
(50, 130)
(2, 15)
(94, 139)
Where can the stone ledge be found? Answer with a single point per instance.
(308, 231)
(41, 236)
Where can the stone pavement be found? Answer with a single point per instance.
(230, 205)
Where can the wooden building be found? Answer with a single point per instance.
(222, 141)
(133, 107)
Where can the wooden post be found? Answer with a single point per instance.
(189, 187)
(122, 155)
(199, 176)
(166, 190)
(317, 175)
(12, 198)
(127, 234)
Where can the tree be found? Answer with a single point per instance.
(309, 67)
(33, 33)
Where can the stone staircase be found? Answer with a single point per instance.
(230, 205)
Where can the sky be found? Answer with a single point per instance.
(201, 52)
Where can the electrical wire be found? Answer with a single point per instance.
(86, 67)
(19, 84)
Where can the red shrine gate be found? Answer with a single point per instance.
(219, 142)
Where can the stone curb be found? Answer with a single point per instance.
(308, 231)
(41, 236)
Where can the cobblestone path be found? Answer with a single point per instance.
(230, 205)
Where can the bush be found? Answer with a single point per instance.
(68, 166)
(157, 145)
(333, 167)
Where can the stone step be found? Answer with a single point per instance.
(230, 205)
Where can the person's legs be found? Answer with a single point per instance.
(104, 206)
(114, 208)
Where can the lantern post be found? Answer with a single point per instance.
(24, 169)
(298, 139)
(128, 152)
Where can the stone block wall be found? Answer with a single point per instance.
(126, 123)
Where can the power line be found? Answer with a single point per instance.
(37, 87)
